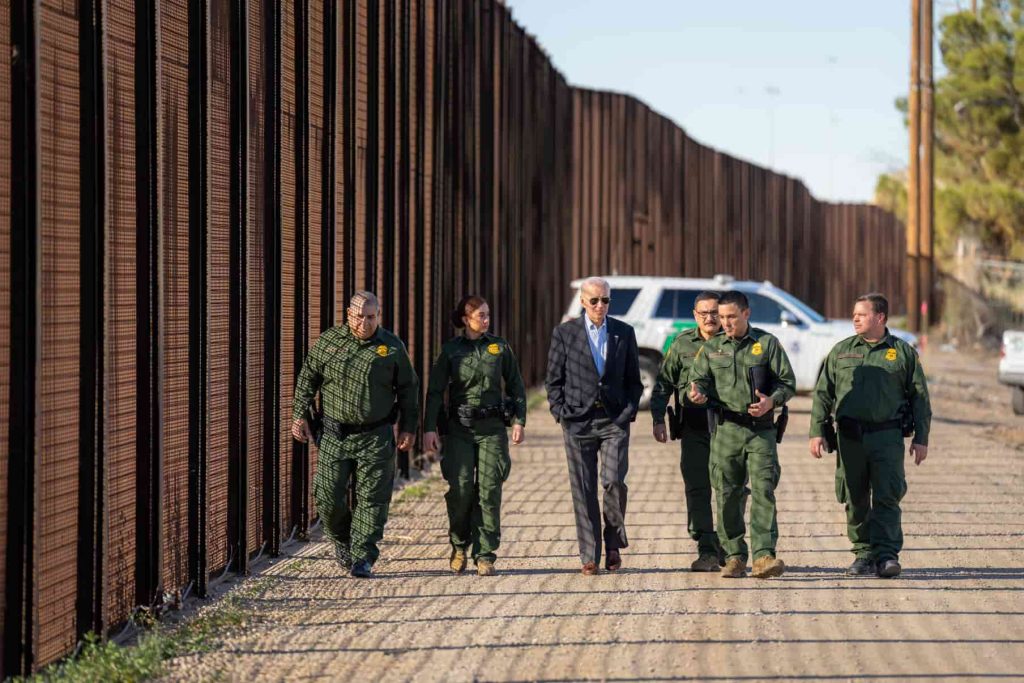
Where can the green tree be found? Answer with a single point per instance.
(979, 132)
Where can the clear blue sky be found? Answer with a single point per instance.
(826, 71)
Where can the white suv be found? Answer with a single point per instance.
(1011, 366)
(659, 308)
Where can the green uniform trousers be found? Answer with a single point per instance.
(694, 463)
(475, 464)
(370, 459)
(738, 454)
(871, 482)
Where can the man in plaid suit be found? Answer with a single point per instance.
(594, 388)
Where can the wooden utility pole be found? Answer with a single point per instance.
(913, 181)
(926, 264)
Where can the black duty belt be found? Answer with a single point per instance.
(466, 414)
(339, 430)
(758, 424)
(856, 429)
(479, 412)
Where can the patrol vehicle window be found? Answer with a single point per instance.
(676, 303)
(802, 307)
(622, 301)
(764, 310)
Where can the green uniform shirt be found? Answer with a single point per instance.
(359, 380)
(472, 371)
(872, 383)
(720, 369)
(675, 373)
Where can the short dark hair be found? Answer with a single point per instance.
(879, 304)
(706, 295)
(738, 299)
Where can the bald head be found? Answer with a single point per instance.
(363, 298)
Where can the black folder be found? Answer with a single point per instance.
(760, 380)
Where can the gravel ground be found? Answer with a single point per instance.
(956, 613)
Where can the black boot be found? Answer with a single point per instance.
(362, 569)
(862, 566)
(889, 569)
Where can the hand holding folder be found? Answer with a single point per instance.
(760, 388)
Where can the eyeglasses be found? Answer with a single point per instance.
(705, 315)
(603, 299)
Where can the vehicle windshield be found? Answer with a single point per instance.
(804, 308)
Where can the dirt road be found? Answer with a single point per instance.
(956, 613)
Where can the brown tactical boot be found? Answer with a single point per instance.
(485, 567)
(735, 568)
(768, 566)
(707, 562)
(457, 560)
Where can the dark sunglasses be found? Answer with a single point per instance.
(603, 299)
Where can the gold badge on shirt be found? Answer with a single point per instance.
(756, 349)
(890, 355)
(494, 349)
(382, 351)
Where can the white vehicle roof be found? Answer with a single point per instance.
(715, 282)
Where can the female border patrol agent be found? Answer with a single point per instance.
(475, 462)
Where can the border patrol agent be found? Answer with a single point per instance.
(689, 424)
(875, 386)
(366, 383)
(744, 442)
(471, 368)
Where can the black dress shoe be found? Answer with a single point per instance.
(612, 560)
(362, 569)
(888, 569)
(862, 566)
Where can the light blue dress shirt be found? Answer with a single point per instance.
(598, 337)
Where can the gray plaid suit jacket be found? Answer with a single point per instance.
(573, 384)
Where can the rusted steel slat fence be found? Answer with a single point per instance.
(189, 193)
(652, 201)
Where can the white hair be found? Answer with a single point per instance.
(596, 283)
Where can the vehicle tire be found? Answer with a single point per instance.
(648, 375)
(1018, 399)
